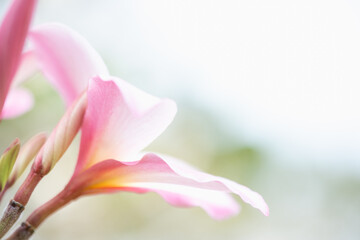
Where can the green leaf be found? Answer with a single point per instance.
(7, 161)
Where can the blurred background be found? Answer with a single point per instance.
(268, 95)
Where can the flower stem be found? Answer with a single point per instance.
(23, 232)
(26, 189)
(39, 215)
(11, 214)
(16, 206)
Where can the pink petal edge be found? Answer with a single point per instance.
(247, 195)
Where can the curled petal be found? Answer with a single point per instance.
(120, 121)
(66, 58)
(13, 31)
(18, 102)
(177, 183)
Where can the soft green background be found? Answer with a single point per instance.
(267, 93)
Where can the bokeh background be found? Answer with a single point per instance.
(268, 95)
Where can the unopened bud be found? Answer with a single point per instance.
(62, 136)
(7, 161)
(27, 153)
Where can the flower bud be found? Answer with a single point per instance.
(61, 137)
(7, 161)
(26, 154)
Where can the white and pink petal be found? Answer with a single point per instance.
(178, 185)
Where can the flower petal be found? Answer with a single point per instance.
(18, 102)
(66, 58)
(177, 183)
(120, 121)
(13, 31)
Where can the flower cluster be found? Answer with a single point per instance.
(117, 122)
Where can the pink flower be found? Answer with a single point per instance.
(13, 31)
(119, 122)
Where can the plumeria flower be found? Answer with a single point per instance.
(120, 121)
